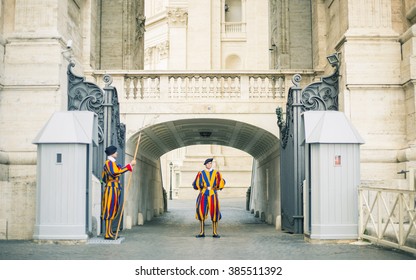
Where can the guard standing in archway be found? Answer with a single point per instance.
(208, 182)
(111, 196)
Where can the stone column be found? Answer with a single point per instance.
(290, 27)
(33, 86)
(122, 34)
(370, 88)
(177, 21)
(279, 28)
(369, 17)
(408, 74)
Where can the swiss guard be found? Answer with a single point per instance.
(208, 182)
(110, 203)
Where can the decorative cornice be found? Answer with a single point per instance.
(39, 88)
(177, 17)
(18, 157)
(163, 48)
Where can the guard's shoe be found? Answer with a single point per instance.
(200, 235)
(216, 236)
(112, 237)
(109, 236)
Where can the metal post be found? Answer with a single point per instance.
(170, 192)
(108, 106)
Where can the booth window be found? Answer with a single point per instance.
(58, 158)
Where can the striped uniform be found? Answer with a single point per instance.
(111, 196)
(207, 200)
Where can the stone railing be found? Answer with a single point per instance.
(204, 85)
(196, 85)
(255, 86)
(234, 28)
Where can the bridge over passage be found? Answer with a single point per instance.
(170, 110)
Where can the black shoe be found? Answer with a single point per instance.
(216, 236)
(200, 235)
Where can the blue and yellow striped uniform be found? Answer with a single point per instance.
(207, 200)
(111, 196)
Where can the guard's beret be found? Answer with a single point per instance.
(208, 160)
(110, 150)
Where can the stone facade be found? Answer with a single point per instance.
(33, 83)
(375, 41)
(177, 39)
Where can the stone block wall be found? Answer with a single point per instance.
(371, 91)
(33, 47)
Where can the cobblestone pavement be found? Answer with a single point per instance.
(172, 237)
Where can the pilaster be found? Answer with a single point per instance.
(372, 18)
(33, 86)
(408, 74)
(177, 38)
(121, 34)
(371, 93)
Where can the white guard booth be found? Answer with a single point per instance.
(64, 176)
(332, 176)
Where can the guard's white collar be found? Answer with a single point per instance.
(111, 158)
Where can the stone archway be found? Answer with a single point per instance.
(146, 196)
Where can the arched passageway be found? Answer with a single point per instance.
(164, 137)
(146, 198)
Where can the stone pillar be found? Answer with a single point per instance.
(319, 31)
(290, 27)
(370, 88)
(369, 17)
(177, 21)
(33, 86)
(2, 44)
(90, 30)
(122, 34)
(408, 74)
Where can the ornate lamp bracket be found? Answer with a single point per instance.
(323, 95)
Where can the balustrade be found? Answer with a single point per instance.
(154, 86)
(234, 27)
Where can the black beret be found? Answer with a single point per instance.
(110, 150)
(208, 160)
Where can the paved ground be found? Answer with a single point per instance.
(172, 237)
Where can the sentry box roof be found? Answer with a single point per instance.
(329, 127)
(69, 127)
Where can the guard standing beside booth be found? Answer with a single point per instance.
(112, 189)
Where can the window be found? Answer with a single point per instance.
(233, 11)
(59, 158)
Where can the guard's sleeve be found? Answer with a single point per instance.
(198, 184)
(220, 181)
(116, 170)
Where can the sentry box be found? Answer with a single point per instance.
(64, 176)
(332, 176)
